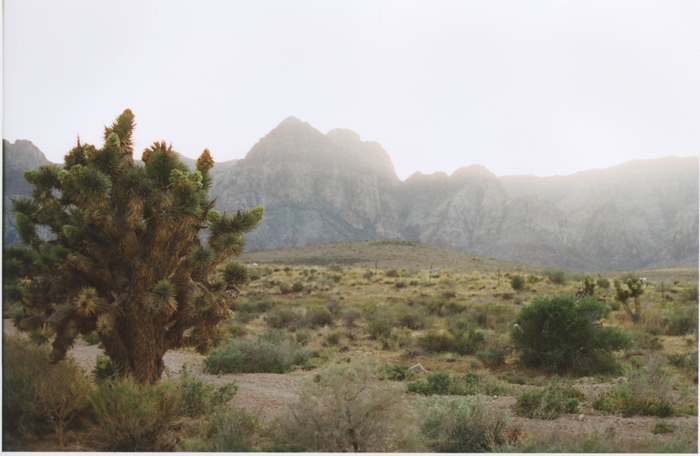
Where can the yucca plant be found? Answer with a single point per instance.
(115, 247)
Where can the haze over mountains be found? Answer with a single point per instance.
(320, 188)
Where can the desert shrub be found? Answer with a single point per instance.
(480, 317)
(346, 409)
(444, 384)
(282, 317)
(561, 332)
(297, 287)
(557, 276)
(256, 304)
(687, 361)
(533, 278)
(469, 342)
(270, 352)
(38, 396)
(398, 373)
(682, 321)
(285, 288)
(350, 315)
(368, 274)
(400, 284)
(689, 294)
(599, 442)
(623, 402)
(302, 336)
(662, 427)
(603, 283)
(492, 356)
(641, 340)
(334, 337)
(411, 318)
(236, 330)
(401, 337)
(647, 390)
(200, 398)
(226, 429)
(442, 307)
(316, 316)
(548, 403)
(92, 339)
(463, 425)
(517, 282)
(131, 417)
(380, 328)
(437, 341)
(105, 369)
(392, 273)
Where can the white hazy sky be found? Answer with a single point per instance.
(521, 87)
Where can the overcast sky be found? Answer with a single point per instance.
(521, 87)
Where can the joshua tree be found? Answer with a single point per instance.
(634, 290)
(122, 253)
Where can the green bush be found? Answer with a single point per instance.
(350, 315)
(392, 273)
(687, 361)
(282, 317)
(226, 430)
(37, 396)
(682, 321)
(368, 274)
(517, 282)
(297, 287)
(437, 341)
(380, 328)
(398, 373)
(603, 283)
(464, 425)
(557, 276)
(268, 353)
(443, 384)
(199, 398)
(92, 339)
(623, 402)
(316, 316)
(411, 318)
(492, 356)
(105, 369)
(647, 390)
(548, 403)
(560, 332)
(132, 417)
(689, 294)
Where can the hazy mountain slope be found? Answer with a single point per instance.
(315, 188)
(18, 157)
(328, 188)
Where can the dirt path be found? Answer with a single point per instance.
(262, 395)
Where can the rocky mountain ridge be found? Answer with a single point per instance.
(335, 187)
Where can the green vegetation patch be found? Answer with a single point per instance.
(271, 352)
(562, 332)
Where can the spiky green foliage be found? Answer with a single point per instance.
(123, 255)
(634, 290)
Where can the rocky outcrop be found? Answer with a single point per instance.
(335, 187)
(315, 188)
(18, 157)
